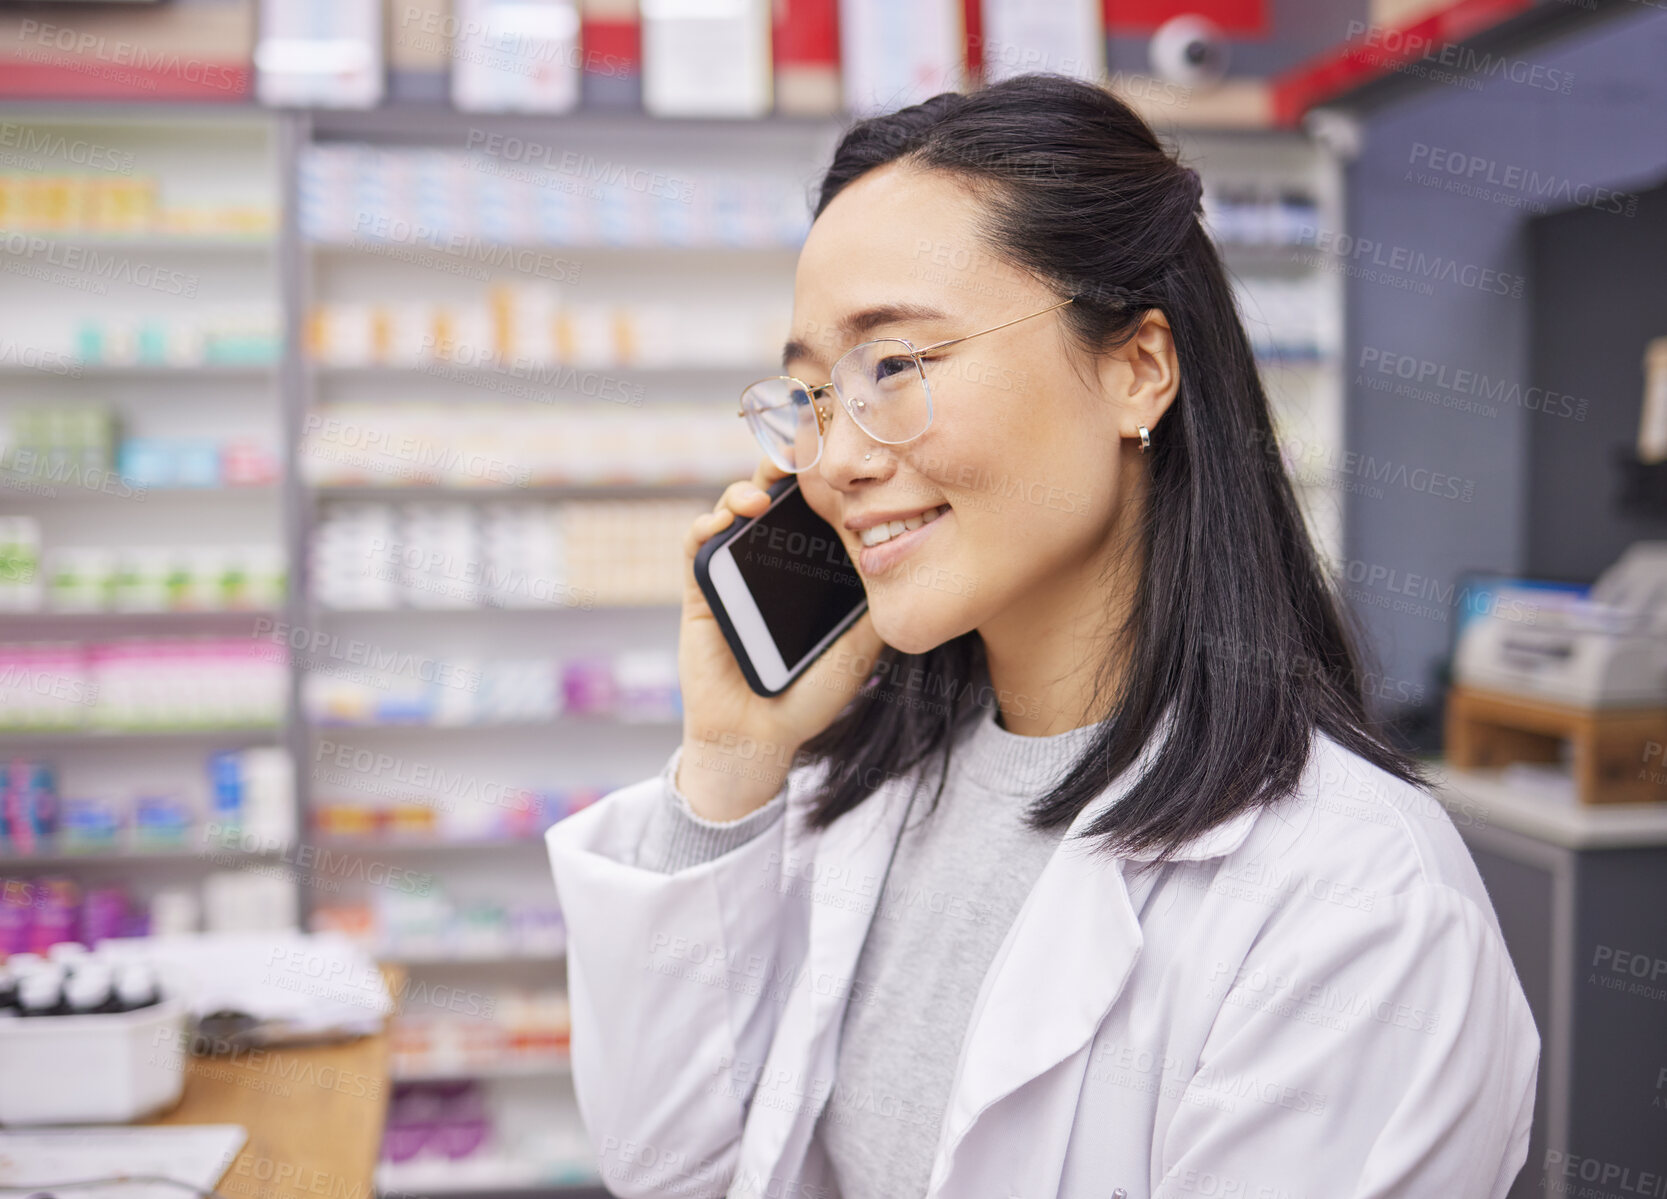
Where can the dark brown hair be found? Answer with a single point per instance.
(1234, 628)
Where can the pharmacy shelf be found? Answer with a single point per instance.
(414, 843)
(567, 491)
(237, 734)
(417, 122)
(452, 371)
(82, 371)
(458, 957)
(561, 720)
(1277, 257)
(17, 489)
(529, 1066)
(101, 625)
(369, 246)
(172, 854)
(666, 607)
(203, 243)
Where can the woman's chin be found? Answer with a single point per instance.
(910, 632)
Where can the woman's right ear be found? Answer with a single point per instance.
(1142, 376)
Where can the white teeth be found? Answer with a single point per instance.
(879, 534)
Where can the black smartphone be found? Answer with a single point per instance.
(782, 589)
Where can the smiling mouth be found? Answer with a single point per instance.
(880, 534)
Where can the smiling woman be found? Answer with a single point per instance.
(1173, 916)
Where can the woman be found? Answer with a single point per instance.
(1075, 868)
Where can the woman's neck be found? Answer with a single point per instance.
(1047, 653)
(1046, 677)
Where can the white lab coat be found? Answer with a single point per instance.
(1312, 1002)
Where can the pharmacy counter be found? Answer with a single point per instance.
(1581, 894)
(314, 1115)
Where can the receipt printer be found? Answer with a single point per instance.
(1604, 649)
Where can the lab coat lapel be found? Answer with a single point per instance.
(850, 870)
(1062, 966)
(842, 886)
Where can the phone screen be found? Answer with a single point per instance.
(799, 575)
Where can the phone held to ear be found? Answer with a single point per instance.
(781, 587)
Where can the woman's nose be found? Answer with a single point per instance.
(848, 454)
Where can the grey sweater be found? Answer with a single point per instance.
(961, 873)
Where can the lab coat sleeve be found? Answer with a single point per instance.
(1383, 1054)
(669, 979)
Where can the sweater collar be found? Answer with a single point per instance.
(1009, 764)
(1027, 767)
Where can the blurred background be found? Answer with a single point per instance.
(362, 361)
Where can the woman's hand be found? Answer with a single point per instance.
(738, 745)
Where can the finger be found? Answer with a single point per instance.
(743, 497)
(767, 474)
(703, 527)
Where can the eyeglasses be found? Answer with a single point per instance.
(881, 383)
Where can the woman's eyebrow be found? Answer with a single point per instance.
(853, 328)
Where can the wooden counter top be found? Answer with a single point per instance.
(314, 1115)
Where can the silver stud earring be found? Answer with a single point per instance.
(1145, 438)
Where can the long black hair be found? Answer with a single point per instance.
(1233, 626)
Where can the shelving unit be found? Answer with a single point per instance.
(573, 753)
(145, 292)
(1292, 305)
(584, 749)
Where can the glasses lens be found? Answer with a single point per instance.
(780, 416)
(884, 390)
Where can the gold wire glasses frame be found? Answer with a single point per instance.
(755, 414)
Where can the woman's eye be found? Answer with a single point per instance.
(895, 365)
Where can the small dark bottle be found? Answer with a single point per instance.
(40, 994)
